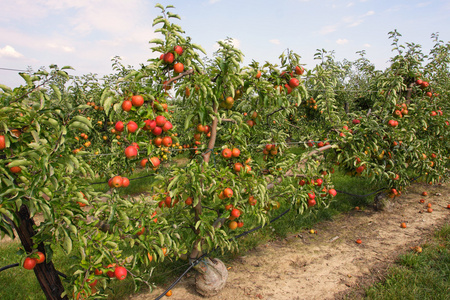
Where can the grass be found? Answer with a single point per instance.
(423, 275)
(19, 283)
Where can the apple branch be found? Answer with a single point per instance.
(280, 109)
(181, 75)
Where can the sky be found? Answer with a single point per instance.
(86, 34)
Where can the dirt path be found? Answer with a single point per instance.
(330, 264)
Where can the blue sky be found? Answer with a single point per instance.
(86, 34)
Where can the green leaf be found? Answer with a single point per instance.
(26, 77)
(19, 162)
(83, 120)
(107, 105)
(188, 121)
(63, 74)
(79, 125)
(5, 88)
(56, 91)
(67, 243)
(161, 238)
(156, 41)
(198, 47)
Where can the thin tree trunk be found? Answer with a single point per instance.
(45, 272)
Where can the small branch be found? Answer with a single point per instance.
(280, 109)
(181, 75)
(229, 120)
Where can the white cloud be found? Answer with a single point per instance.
(275, 41)
(366, 45)
(369, 13)
(9, 52)
(328, 29)
(64, 48)
(342, 41)
(356, 23)
(423, 4)
(213, 1)
(350, 4)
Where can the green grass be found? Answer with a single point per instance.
(19, 283)
(423, 275)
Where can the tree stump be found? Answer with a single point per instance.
(382, 202)
(212, 277)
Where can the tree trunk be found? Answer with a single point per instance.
(45, 272)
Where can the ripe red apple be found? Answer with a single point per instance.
(119, 126)
(137, 100)
(250, 123)
(332, 192)
(167, 141)
(258, 74)
(311, 195)
(356, 121)
(419, 81)
(424, 84)
(299, 70)
(120, 273)
(311, 202)
(227, 153)
(143, 162)
(235, 152)
(178, 50)
(155, 161)
(228, 193)
(302, 182)
(168, 57)
(200, 128)
(29, 263)
(93, 283)
(157, 141)
(167, 126)
(294, 82)
(15, 170)
(288, 88)
(126, 105)
(160, 121)
(131, 152)
(2, 142)
(235, 213)
(319, 181)
(116, 181)
(149, 124)
(360, 169)
(157, 131)
(132, 126)
(178, 67)
(41, 258)
(125, 182)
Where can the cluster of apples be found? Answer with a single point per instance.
(169, 59)
(318, 183)
(293, 81)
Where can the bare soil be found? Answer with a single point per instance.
(330, 264)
